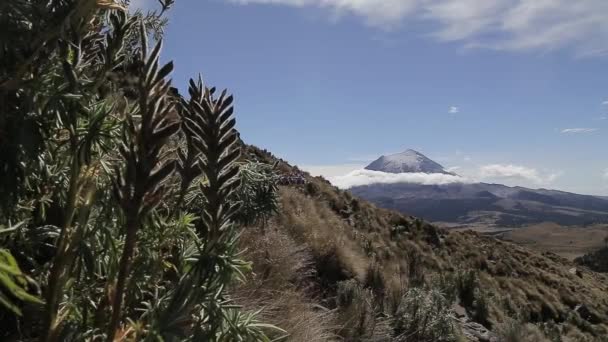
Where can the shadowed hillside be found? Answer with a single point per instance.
(487, 205)
(597, 260)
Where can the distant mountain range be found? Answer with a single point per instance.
(476, 204)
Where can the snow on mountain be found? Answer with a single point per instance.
(409, 161)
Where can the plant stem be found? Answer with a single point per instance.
(55, 283)
(125, 263)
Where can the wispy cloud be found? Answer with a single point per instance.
(453, 110)
(578, 130)
(329, 171)
(498, 24)
(605, 103)
(367, 177)
(516, 173)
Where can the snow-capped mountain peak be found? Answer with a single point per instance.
(406, 162)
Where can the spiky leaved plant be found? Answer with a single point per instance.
(85, 121)
(140, 187)
(198, 309)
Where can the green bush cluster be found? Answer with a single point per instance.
(120, 200)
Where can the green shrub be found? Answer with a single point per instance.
(312, 189)
(256, 194)
(467, 283)
(123, 188)
(423, 316)
(472, 296)
(481, 311)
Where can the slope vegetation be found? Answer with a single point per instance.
(350, 265)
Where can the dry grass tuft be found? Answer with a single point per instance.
(281, 287)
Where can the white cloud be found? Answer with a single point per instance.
(349, 175)
(515, 172)
(578, 130)
(379, 13)
(367, 177)
(605, 174)
(329, 171)
(496, 24)
(605, 103)
(453, 110)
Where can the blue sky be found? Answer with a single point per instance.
(502, 91)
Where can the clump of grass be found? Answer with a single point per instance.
(516, 331)
(357, 311)
(282, 287)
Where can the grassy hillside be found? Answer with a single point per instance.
(122, 203)
(348, 266)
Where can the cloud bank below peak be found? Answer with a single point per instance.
(367, 177)
(498, 24)
(350, 175)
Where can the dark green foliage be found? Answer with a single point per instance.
(374, 280)
(481, 311)
(312, 189)
(257, 194)
(141, 186)
(472, 296)
(597, 260)
(467, 283)
(396, 231)
(125, 192)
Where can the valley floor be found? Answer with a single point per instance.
(569, 242)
